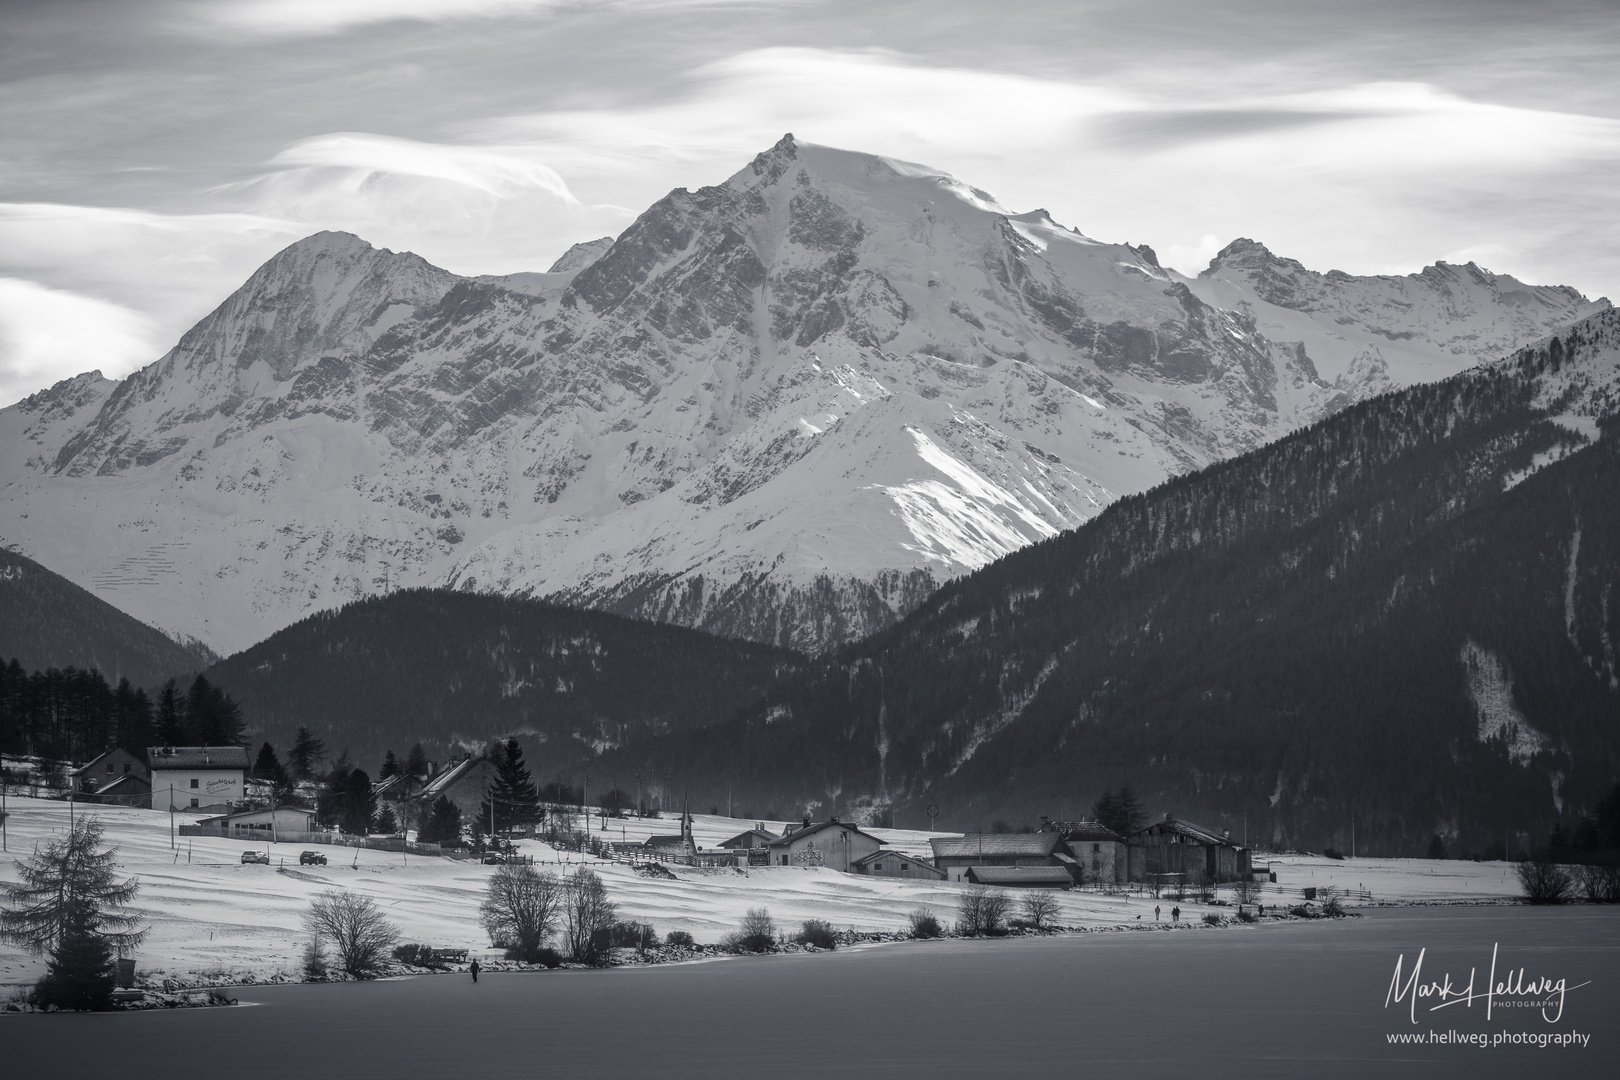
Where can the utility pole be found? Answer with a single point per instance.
(641, 805)
(171, 817)
(3, 841)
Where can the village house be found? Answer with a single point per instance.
(197, 777)
(751, 848)
(835, 844)
(1100, 853)
(892, 864)
(1179, 850)
(463, 782)
(955, 855)
(99, 773)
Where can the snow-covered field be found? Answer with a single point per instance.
(209, 914)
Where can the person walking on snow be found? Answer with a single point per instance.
(1155, 912)
(1175, 914)
(474, 970)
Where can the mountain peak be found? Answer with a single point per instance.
(773, 162)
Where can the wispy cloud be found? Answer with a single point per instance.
(501, 171)
(47, 335)
(111, 288)
(306, 17)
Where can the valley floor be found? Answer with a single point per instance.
(212, 917)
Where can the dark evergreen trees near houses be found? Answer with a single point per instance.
(171, 715)
(390, 767)
(512, 800)
(132, 718)
(67, 904)
(1119, 810)
(307, 752)
(212, 717)
(443, 823)
(416, 762)
(267, 766)
(359, 807)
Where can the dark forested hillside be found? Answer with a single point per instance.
(457, 669)
(47, 622)
(1402, 620)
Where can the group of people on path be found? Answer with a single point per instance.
(1175, 913)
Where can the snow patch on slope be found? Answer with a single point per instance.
(1490, 685)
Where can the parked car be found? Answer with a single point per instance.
(256, 856)
(309, 858)
(492, 859)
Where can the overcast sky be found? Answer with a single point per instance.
(154, 152)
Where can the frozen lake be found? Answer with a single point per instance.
(1288, 1000)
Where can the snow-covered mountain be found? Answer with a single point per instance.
(785, 408)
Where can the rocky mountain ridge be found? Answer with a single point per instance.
(786, 407)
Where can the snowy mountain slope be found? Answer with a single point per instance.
(785, 407)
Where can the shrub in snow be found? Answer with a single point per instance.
(1601, 884)
(982, 911)
(816, 932)
(680, 939)
(1544, 882)
(924, 925)
(1040, 908)
(314, 959)
(758, 931)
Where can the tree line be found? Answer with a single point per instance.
(74, 714)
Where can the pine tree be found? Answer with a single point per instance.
(416, 762)
(443, 824)
(267, 766)
(171, 716)
(515, 799)
(307, 752)
(132, 718)
(66, 890)
(212, 717)
(358, 804)
(332, 800)
(390, 766)
(80, 974)
(386, 822)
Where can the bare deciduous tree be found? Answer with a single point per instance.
(758, 930)
(521, 910)
(355, 926)
(982, 909)
(1040, 908)
(586, 913)
(1544, 882)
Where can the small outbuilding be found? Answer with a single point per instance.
(894, 864)
(264, 824)
(956, 854)
(1020, 877)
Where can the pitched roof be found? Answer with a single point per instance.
(1086, 830)
(1021, 875)
(810, 830)
(99, 758)
(455, 773)
(197, 757)
(1186, 828)
(893, 854)
(750, 838)
(996, 846)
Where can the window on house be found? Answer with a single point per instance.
(193, 802)
(904, 867)
(194, 784)
(109, 766)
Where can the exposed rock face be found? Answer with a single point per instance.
(784, 407)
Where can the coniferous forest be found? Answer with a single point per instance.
(1394, 625)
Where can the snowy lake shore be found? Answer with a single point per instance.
(215, 921)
